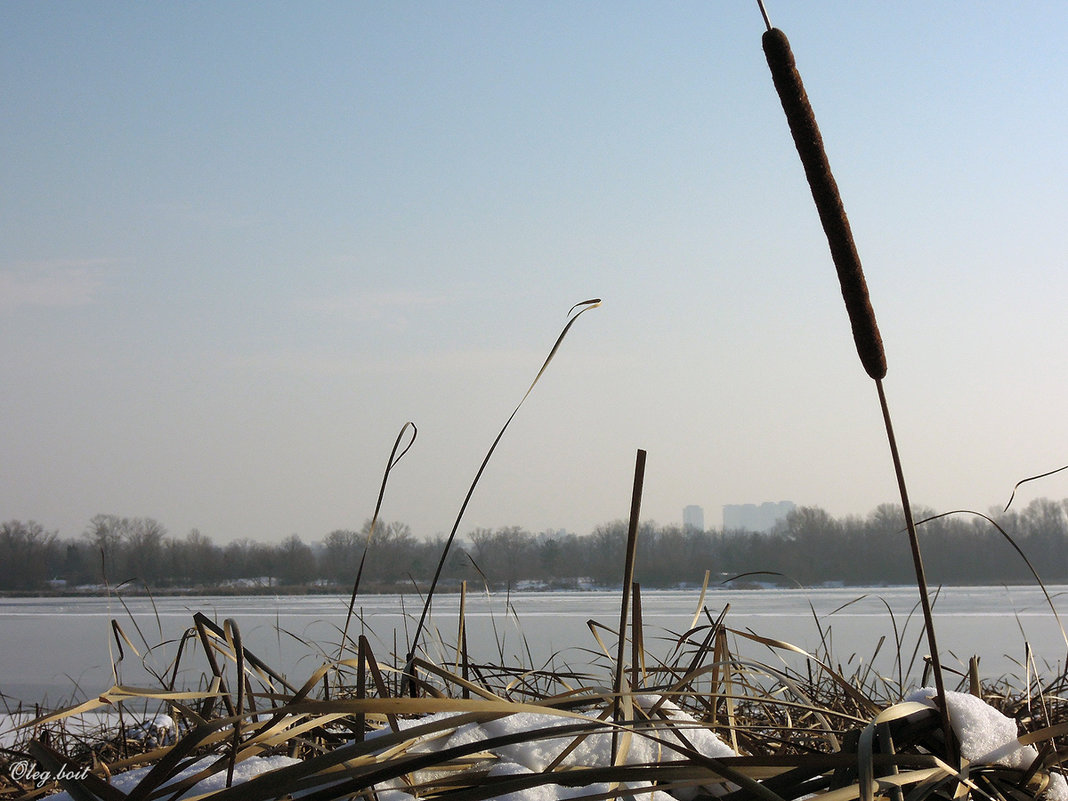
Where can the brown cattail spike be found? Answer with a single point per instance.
(809, 145)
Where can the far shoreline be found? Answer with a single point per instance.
(307, 590)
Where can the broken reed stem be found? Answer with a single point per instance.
(637, 640)
(200, 620)
(233, 638)
(209, 653)
(461, 640)
(628, 580)
(360, 718)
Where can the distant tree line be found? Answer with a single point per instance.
(807, 547)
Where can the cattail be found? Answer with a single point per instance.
(809, 145)
(869, 344)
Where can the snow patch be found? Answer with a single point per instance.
(243, 771)
(988, 737)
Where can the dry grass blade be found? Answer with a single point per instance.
(1026, 480)
(394, 458)
(582, 307)
(1019, 552)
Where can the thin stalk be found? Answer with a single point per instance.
(628, 580)
(921, 578)
(413, 646)
(461, 640)
(209, 653)
(233, 636)
(361, 687)
(394, 457)
(637, 639)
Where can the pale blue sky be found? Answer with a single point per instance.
(242, 243)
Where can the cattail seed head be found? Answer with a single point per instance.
(832, 214)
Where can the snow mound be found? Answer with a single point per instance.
(676, 728)
(988, 737)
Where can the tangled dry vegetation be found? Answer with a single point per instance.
(698, 721)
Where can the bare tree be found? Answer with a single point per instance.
(26, 553)
(296, 562)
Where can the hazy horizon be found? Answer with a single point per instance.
(712, 523)
(243, 244)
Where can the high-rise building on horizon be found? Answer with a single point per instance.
(693, 517)
(753, 517)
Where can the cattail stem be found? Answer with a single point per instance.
(764, 14)
(921, 577)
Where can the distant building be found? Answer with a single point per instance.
(753, 517)
(693, 517)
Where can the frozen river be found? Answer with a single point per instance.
(53, 649)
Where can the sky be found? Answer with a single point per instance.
(242, 244)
